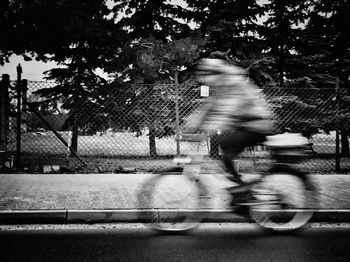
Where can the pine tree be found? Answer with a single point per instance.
(151, 18)
(88, 40)
(228, 26)
(326, 59)
(158, 47)
(282, 33)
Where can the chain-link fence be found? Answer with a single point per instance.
(118, 127)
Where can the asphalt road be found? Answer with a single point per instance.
(211, 242)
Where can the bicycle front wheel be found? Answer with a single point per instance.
(284, 201)
(172, 203)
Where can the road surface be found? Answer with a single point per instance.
(134, 242)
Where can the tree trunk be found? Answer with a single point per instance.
(280, 70)
(152, 142)
(74, 141)
(345, 148)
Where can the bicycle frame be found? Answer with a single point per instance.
(259, 210)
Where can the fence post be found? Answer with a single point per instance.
(19, 116)
(24, 88)
(177, 116)
(4, 111)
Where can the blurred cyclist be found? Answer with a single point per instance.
(234, 108)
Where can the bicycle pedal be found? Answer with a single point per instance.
(245, 187)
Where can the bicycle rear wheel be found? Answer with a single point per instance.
(284, 201)
(172, 203)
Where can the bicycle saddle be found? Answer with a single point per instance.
(286, 140)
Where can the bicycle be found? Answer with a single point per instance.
(278, 199)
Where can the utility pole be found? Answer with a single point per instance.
(177, 114)
(337, 131)
(19, 116)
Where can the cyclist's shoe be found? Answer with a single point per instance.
(236, 180)
(241, 198)
(240, 202)
(241, 188)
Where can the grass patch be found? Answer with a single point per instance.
(114, 152)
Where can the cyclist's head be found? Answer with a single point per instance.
(210, 70)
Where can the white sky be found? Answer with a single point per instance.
(32, 70)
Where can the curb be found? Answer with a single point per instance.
(33, 217)
(133, 216)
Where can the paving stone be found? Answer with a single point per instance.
(109, 191)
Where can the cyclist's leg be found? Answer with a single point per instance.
(230, 168)
(233, 143)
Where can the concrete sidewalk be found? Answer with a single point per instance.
(69, 198)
